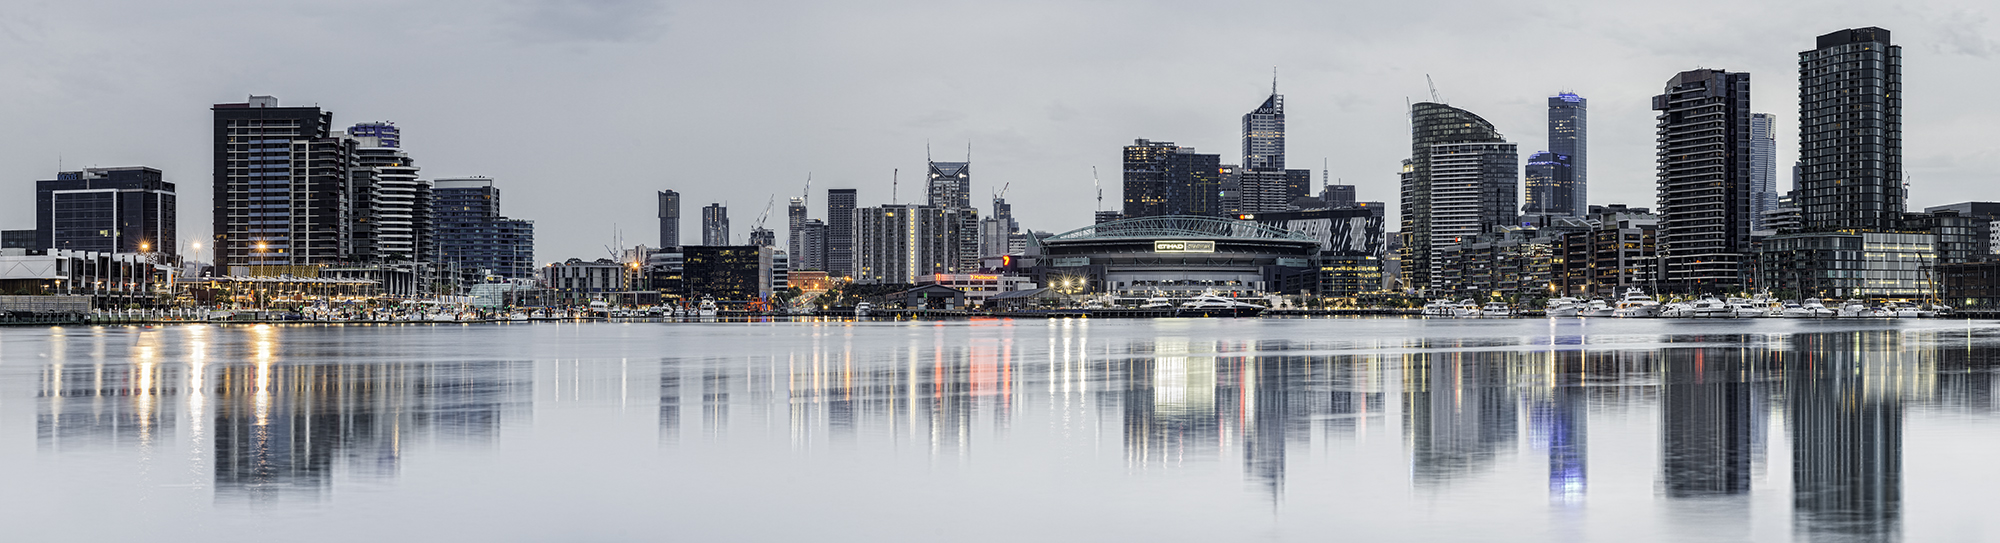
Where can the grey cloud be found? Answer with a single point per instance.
(607, 21)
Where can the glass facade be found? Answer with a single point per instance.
(1865, 265)
(1851, 132)
(730, 273)
(1431, 124)
(1166, 179)
(474, 238)
(1704, 182)
(107, 210)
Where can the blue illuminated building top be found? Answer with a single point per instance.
(385, 132)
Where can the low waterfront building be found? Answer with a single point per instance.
(111, 280)
(1619, 252)
(727, 273)
(1844, 265)
(978, 288)
(1180, 255)
(577, 281)
(1970, 286)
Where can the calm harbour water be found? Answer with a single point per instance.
(1067, 430)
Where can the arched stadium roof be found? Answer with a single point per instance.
(1181, 227)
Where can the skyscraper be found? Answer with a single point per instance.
(473, 237)
(1546, 194)
(1569, 136)
(669, 212)
(1263, 184)
(1431, 124)
(1166, 179)
(392, 206)
(950, 184)
(1763, 168)
(897, 243)
(111, 210)
(281, 186)
(1264, 134)
(1704, 179)
(1473, 191)
(840, 231)
(950, 188)
(1851, 132)
(714, 225)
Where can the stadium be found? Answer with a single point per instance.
(1172, 255)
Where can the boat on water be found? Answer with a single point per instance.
(1496, 309)
(1467, 308)
(1209, 305)
(707, 309)
(1157, 302)
(1910, 311)
(1637, 305)
(1748, 308)
(1441, 308)
(1817, 309)
(1854, 309)
(1599, 308)
(1565, 307)
(1708, 307)
(862, 309)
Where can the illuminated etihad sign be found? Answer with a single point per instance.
(1183, 246)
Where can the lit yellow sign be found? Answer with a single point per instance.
(1183, 246)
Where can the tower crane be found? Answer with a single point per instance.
(1100, 188)
(767, 211)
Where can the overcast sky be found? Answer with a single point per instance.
(580, 109)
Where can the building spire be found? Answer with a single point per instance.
(1274, 80)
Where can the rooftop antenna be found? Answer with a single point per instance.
(894, 171)
(1434, 89)
(1274, 80)
(1325, 172)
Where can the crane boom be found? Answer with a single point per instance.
(767, 210)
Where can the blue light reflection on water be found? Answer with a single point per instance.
(1177, 429)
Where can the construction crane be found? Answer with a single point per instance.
(767, 211)
(1002, 193)
(1100, 188)
(807, 195)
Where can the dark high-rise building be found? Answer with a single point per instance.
(1166, 179)
(763, 237)
(1431, 124)
(1704, 179)
(840, 231)
(669, 212)
(110, 210)
(731, 273)
(1264, 134)
(1337, 196)
(1263, 184)
(714, 225)
(1764, 192)
(473, 237)
(1569, 136)
(391, 206)
(1851, 132)
(1557, 184)
(1474, 190)
(1546, 194)
(950, 185)
(281, 186)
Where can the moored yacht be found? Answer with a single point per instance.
(1599, 308)
(1707, 307)
(1210, 305)
(1565, 307)
(1496, 309)
(1636, 304)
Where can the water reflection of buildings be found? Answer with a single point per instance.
(280, 428)
(1706, 420)
(275, 428)
(1559, 422)
(1845, 407)
(1459, 412)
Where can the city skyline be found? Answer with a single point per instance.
(854, 131)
